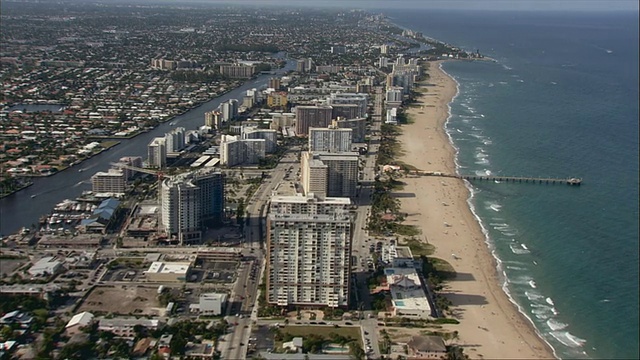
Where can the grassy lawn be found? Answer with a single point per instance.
(445, 270)
(109, 143)
(418, 248)
(324, 331)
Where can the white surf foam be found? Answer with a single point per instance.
(567, 339)
(472, 193)
(518, 250)
(550, 301)
(533, 295)
(556, 325)
(518, 268)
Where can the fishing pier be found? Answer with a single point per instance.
(512, 179)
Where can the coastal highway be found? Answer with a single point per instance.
(234, 344)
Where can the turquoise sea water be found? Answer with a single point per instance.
(562, 101)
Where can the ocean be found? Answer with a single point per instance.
(561, 101)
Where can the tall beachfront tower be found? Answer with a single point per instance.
(309, 251)
(191, 201)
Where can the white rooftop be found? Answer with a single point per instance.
(159, 267)
(406, 289)
(308, 199)
(82, 319)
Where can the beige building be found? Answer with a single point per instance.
(314, 175)
(112, 181)
(237, 71)
(277, 99)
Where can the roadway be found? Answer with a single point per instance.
(234, 345)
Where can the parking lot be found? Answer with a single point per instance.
(223, 272)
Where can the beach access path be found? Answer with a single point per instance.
(490, 324)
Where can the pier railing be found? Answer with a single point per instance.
(512, 179)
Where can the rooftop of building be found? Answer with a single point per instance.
(160, 267)
(309, 199)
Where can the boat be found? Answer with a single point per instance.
(81, 170)
(32, 196)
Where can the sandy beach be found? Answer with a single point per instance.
(490, 325)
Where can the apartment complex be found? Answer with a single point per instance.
(175, 140)
(190, 200)
(111, 181)
(308, 252)
(157, 153)
(277, 99)
(339, 171)
(330, 139)
(343, 100)
(236, 151)
(237, 71)
(229, 110)
(314, 175)
(357, 125)
(213, 119)
(312, 116)
(268, 135)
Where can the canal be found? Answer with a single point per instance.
(25, 207)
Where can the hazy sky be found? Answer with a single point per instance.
(579, 5)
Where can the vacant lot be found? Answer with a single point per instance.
(123, 300)
(324, 331)
(7, 266)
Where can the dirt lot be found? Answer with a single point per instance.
(7, 266)
(123, 300)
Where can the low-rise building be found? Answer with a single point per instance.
(124, 327)
(46, 266)
(426, 347)
(397, 256)
(77, 322)
(212, 304)
(407, 293)
(168, 271)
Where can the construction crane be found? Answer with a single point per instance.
(158, 173)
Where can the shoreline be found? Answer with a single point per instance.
(491, 322)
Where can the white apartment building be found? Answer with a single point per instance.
(357, 125)
(181, 210)
(157, 153)
(112, 181)
(342, 173)
(330, 140)
(308, 204)
(175, 140)
(309, 259)
(392, 116)
(234, 151)
(229, 110)
(268, 135)
(359, 99)
(190, 199)
(131, 161)
(393, 97)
